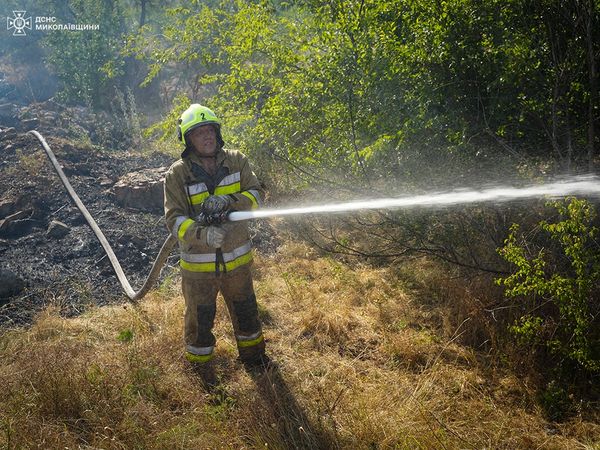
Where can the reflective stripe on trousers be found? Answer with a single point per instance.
(199, 354)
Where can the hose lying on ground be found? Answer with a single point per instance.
(160, 259)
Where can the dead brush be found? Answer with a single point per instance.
(374, 373)
(73, 382)
(326, 328)
(409, 350)
(447, 298)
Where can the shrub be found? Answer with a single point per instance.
(558, 279)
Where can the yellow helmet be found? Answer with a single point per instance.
(196, 116)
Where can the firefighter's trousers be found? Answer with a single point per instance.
(200, 308)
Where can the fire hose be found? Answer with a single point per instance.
(163, 254)
(588, 185)
(204, 220)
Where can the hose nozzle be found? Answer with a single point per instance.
(205, 219)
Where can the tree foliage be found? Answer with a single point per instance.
(86, 61)
(365, 88)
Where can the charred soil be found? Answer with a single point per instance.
(69, 267)
(48, 253)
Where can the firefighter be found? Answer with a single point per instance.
(211, 180)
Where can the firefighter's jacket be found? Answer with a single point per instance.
(187, 185)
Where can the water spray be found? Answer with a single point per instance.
(588, 185)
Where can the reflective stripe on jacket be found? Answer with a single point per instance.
(187, 185)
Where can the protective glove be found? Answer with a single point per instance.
(216, 204)
(215, 236)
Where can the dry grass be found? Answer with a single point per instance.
(364, 362)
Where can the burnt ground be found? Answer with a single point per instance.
(72, 271)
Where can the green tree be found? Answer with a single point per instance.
(86, 62)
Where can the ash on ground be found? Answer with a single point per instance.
(48, 253)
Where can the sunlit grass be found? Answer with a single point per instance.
(362, 364)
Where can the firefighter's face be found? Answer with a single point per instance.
(204, 140)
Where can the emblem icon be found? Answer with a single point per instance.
(19, 22)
